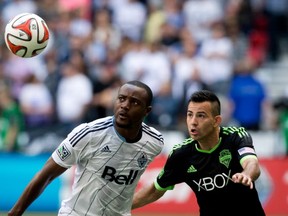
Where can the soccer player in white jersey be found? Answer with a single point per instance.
(110, 155)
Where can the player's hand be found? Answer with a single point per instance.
(242, 178)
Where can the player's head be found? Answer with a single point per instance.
(207, 96)
(132, 104)
(146, 88)
(203, 116)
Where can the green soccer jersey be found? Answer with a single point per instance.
(209, 173)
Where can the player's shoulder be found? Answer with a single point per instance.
(101, 122)
(152, 132)
(233, 131)
(98, 124)
(182, 147)
(84, 130)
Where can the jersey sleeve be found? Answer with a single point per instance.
(68, 152)
(170, 174)
(245, 147)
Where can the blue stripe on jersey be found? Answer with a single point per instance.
(83, 132)
(147, 130)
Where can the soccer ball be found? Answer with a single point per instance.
(26, 35)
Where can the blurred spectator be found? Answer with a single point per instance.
(15, 7)
(79, 26)
(239, 41)
(73, 33)
(247, 28)
(134, 60)
(248, 95)
(281, 118)
(105, 85)
(277, 14)
(104, 37)
(110, 4)
(53, 75)
(157, 67)
(48, 10)
(11, 120)
(243, 13)
(227, 107)
(258, 39)
(158, 75)
(200, 15)
(186, 78)
(82, 7)
(73, 95)
(104, 31)
(165, 13)
(216, 51)
(172, 25)
(17, 70)
(169, 37)
(59, 27)
(130, 17)
(173, 13)
(36, 104)
(154, 21)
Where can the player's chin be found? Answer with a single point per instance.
(193, 135)
(122, 122)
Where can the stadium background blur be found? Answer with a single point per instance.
(237, 48)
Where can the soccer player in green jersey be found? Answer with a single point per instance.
(218, 163)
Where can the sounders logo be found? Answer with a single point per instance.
(111, 175)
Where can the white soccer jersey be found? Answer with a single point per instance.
(107, 167)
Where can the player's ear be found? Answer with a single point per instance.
(217, 120)
(148, 109)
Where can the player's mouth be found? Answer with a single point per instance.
(193, 131)
(123, 115)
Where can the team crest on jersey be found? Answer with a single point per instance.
(63, 152)
(142, 160)
(225, 157)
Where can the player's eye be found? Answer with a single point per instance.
(121, 98)
(189, 114)
(136, 102)
(201, 116)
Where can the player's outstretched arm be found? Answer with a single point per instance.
(146, 195)
(251, 172)
(36, 186)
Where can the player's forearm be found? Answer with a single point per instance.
(251, 168)
(145, 196)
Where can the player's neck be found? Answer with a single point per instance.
(210, 141)
(129, 135)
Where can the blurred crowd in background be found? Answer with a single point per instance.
(174, 46)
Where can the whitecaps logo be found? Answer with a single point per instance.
(142, 160)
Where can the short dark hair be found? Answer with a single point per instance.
(206, 95)
(145, 87)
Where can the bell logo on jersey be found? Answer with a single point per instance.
(111, 175)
